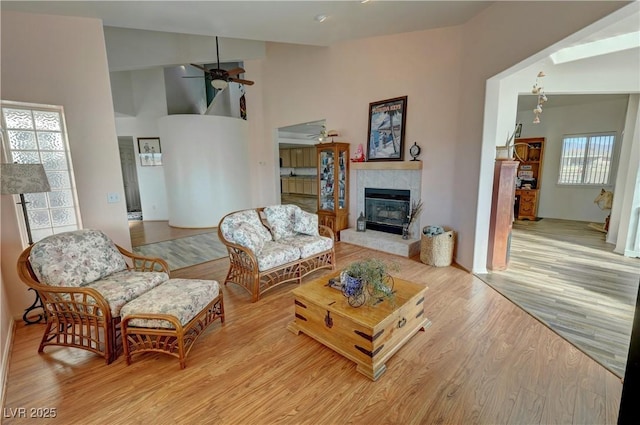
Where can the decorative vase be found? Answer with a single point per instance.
(405, 231)
(353, 289)
(503, 152)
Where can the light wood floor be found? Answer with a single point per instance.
(147, 232)
(565, 274)
(483, 360)
(308, 203)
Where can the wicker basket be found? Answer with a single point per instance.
(438, 250)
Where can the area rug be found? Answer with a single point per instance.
(187, 251)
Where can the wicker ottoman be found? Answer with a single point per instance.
(170, 317)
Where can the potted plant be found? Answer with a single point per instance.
(368, 280)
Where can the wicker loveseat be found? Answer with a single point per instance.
(273, 245)
(84, 279)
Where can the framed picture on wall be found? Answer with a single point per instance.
(385, 141)
(150, 151)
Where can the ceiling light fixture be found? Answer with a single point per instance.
(321, 18)
(539, 90)
(219, 84)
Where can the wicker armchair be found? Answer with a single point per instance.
(83, 280)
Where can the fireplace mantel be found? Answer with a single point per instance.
(387, 165)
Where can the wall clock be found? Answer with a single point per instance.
(414, 151)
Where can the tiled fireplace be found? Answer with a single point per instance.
(393, 176)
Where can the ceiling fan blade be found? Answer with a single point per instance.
(199, 67)
(241, 81)
(193, 76)
(235, 71)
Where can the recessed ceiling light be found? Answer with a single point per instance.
(365, 1)
(321, 18)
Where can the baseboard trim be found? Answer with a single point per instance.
(6, 357)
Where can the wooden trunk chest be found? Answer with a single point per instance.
(368, 335)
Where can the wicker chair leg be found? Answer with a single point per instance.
(45, 336)
(181, 354)
(112, 339)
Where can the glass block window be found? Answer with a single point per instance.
(36, 134)
(586, 159)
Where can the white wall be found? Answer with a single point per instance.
(573, 202)
(624, 228)
(130, 49)
(149, 104)
(206, 159)
(62, 61)
(122, 93)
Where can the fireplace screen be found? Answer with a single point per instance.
(386, 210)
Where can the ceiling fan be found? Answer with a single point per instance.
(220, 77)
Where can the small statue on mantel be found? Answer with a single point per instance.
(359, 155)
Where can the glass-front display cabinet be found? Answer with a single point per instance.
(333, 185)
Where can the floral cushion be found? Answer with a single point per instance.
(181, 298)
(121, 287)
(306, 223)
(281, 219)
(247, 235)
(309, 245)
(75, 258)
(232, 221)
(276, 254)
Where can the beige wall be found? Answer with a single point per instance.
(498, 38)
(443, 72)
(339, 82)
(62, 61)
(6, 335)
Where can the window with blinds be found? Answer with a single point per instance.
(35, 134)
(586, 159)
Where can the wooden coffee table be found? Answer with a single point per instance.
(368, 335)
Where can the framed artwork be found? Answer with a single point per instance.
(149, 151)
(385, 141)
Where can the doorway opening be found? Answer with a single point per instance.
(298, 163)
(130, 177)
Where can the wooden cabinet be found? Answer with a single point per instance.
(285, 158)
(501, 220)
(333, 185)
(301, 157)
(294, 160)
(529, 153)
(297, 158)
(299, 185)
(527, 202)
(285, 184)
(310, 157)
(308, 184)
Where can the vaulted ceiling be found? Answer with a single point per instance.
(281, 21)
